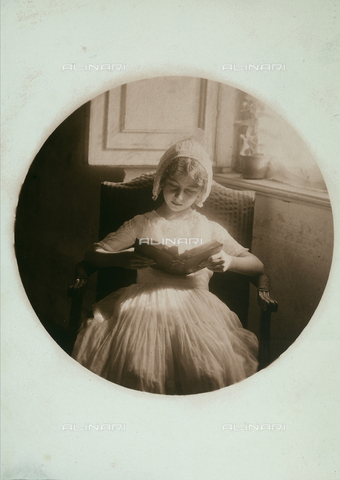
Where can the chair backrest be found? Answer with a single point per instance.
(233, 209)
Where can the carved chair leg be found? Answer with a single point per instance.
(264, 350)
(75, 315)
(76, 292)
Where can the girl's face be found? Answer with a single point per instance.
(180, 193)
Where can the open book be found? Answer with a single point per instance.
(170, 261)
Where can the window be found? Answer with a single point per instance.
(132, 125)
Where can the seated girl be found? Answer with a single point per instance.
(168, 334)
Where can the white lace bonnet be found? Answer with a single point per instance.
(191, 148)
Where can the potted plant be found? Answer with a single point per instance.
(253, 164)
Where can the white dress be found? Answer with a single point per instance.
(167, 334)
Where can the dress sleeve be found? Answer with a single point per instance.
(230, 245)
(124, 237)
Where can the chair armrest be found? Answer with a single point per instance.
(76, 292)
(267, 305)
(265, 301)
(83, 271)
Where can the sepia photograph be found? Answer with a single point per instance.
(177, 162)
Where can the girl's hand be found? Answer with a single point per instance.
(80, 283)
(245, 263)
(218, 262)
(134, 261)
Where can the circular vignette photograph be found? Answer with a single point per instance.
(174, 235)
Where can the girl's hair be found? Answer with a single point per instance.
(186, 166)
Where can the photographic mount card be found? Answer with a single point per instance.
(43, 389)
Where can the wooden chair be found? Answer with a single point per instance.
(233, 209)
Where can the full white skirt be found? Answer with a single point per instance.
(164, 339)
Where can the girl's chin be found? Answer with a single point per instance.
(175, 208)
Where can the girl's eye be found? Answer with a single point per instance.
(191, 192)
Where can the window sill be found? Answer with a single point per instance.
(272, 188)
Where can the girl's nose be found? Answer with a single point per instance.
(179, 194)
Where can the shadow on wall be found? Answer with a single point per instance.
(57, 219)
